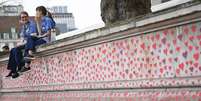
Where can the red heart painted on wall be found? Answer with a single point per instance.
(186, 30)
(154, 46)
(161, 70)
(165, 32)
(157, 36)
(190, 48)
(142, 46)
(185, 54)
(180, 37)
(104, 51)
(181, 66)
(178, 49)
(164, 40)
(191, 37)
(165, 51)
(196, 64)
(196, 56)
(200, 43)
(193, 28)
(199, 37)
(174, 42)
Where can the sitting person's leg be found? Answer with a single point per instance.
(14, 62)
(11, 63)
(32, 42)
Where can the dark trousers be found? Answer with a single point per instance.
(16, 59)
(32, 42)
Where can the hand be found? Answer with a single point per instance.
(34, 35)
(20, 44)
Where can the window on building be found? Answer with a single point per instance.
(6, 36)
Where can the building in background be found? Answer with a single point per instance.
(64, 20)
(10, 10)
(9, 31)
(9, 22)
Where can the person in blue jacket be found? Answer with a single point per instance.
(16, 58)
(45, 24)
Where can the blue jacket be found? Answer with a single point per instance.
(28, 29)
(47, 24)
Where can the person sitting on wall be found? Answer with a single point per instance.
(45, 24)
(16, 61)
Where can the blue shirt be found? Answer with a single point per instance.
(47, 24)
(28, 29)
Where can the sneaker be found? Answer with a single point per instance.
(10, 74)
(24, 69)
(15, 75)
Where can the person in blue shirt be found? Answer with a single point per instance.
(45, 24)
(16, 58)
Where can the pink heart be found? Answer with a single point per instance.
(178, 49)
(181, 66)
(165, 51)
(193, 28)
(157, 36)
(154, 46)
(191, 37)
(142, 46)
(190, 48)
(186, 30)
(180, 37)
(196, 56)
(185, 54)
(164, 40)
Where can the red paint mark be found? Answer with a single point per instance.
(178, 49)
(157, 36)
(161, 70)
(199, 37)
(196, 64)
(181, 66)
(142, 46)
(180, 37)
(154, 46)
(186, 30)
(193, 28)
(191, 38)
(196, 56)
(165, 51)
(174, 42)
(164, 40)
(190, 48)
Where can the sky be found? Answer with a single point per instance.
(86, 12)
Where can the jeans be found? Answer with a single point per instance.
(32, 42)
(16, 59)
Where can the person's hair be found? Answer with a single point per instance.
(49, 15)
(24, 12)
(42, 9)
(45, 12)
(5, 47)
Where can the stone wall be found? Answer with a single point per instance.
(134, 61)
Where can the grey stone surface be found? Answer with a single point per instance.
(117, 10)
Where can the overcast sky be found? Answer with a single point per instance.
(86, 12)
